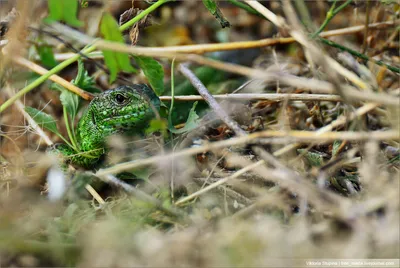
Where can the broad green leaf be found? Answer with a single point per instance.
(154, 72)
(43, 119)
(115, 61)
(46, 55)
(70, 101)
(191, 123)
(64, 10)
(212, 6)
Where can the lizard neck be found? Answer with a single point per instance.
(91, 136)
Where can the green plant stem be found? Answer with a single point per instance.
(140, 16)
(245, 7)
(70, 133)
(367, 12)
(65, 140)
(172, 92)
(330, 15)
(358, 54)
(71, 60)
(304, 14)
(170, 123)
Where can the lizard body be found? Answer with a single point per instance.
(119, 110)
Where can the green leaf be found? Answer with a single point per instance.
(157, 125)
(84, 80)
(335, 147)
(212, 6)
(143, 174)
(70, 101)
(43, 119)
(46, 55)
(154, 72)
(314, 159)
(64, 10)
(115, 61)
(389, 2)
(191, 123)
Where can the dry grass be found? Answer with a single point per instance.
(302, 162)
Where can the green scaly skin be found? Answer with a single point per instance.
(119, 110)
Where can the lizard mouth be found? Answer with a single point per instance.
(127, 121)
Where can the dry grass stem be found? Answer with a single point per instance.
(281, 23)
(214, 185)
(303, 136)
(38, 130)
(259, 96)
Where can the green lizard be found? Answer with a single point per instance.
(119, 110)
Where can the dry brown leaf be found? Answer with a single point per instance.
(134, 31)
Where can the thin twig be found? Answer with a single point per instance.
(299, 136)
(203, 91)
(259, 96)
(219, 182)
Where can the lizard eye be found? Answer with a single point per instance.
(120, 98)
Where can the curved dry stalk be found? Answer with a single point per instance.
(313, 85)
(204, 48)
(290, 80)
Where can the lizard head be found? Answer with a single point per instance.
(125, 108)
